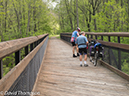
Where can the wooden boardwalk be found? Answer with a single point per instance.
(61, 75)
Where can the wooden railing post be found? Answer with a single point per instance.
(119, 56)
(1, 69)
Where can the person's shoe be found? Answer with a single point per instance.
(80, 65)
(74, 55)
(85, 65)
(78, 54)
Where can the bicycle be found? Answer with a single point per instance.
(97, 52)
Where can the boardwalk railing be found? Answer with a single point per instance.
(116, 53)
(22, 77)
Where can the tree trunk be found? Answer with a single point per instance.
(89, 22)
(18, 20)
(77, 13)
(34, 17)
(5, 16)
(28, 24)
(95, 27)
(70, 18)
(128, 16)
(83, 21)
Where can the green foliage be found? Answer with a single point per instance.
(24, 18)
(107, 16)
(125, 67)
(8, 64)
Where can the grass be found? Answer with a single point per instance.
(57, 36)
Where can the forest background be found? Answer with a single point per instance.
(24, 18)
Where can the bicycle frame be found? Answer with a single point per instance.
(96, 56)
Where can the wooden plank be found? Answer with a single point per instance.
(61, 75)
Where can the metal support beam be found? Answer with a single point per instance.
(91, 36)
(101, 37)
(119, 56)
(109, 51)
(31, 47)
(17, 57)
(26, 50)
(1, 69)
(87, 36)
(34, 44)
(109, 39)
(96, 37)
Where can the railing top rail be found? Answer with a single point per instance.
(11, 46)
(120, 34)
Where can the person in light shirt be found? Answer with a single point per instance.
(82, 44)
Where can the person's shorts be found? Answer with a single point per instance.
(73, 44)
(82, 50)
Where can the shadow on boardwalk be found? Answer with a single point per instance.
(61, 75)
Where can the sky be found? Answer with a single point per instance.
(51, 4)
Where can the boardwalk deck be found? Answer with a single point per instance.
(61, 75)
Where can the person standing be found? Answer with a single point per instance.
(82, 44)
(74, 36)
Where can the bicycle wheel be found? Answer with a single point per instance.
(96, 58)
